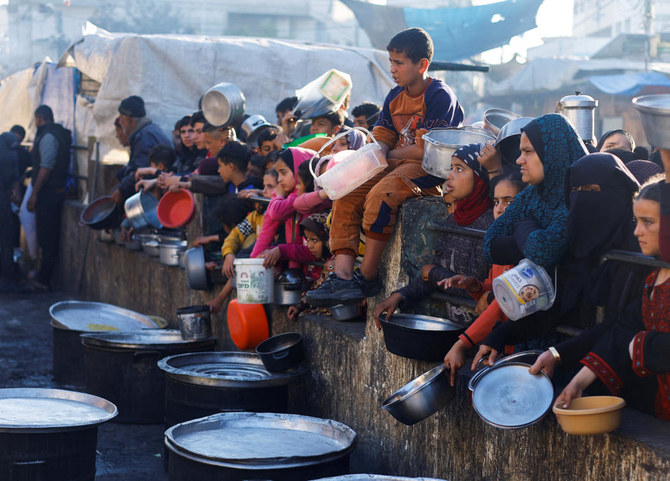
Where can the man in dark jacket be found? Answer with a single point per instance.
(143, 135)
(51, 161)
(9, 180)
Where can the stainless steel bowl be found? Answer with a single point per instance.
(495, 119)
(655, 115)
(345, 312)
(422, 397)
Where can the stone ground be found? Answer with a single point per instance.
(125, 452)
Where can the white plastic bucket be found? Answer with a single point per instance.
(255, 283)
(523, 290)
(352, 171)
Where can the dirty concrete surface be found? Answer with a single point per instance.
(125, 452)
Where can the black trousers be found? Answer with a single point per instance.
(7, 235)
(48, 213)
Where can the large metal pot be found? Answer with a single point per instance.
(440, 145)
(580, 109)
(50, 434)
(123, 367)
(223, 105)
(200, 384)
(422, 397)
(194, 322)
(655, 115)
(288, 288)
(170, 251)
(102, 213)
(141, 211)
(419, 337)
(262, 446)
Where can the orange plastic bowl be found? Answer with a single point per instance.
(176, 209)
(590, 415)
(247, 324)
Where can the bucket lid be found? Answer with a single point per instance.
(507, 396)
(262, 440)
(97, 316)
(256, 261)
(39, 410)
(226, 369)
(149, 339)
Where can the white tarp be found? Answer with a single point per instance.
(172, 72)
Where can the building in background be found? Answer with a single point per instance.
(609, 18)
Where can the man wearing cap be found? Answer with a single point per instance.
(51, 161)
(143, 135)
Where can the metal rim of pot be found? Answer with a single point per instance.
(280, 419)
(185, 368)
(282, 352)
(165, 339)
(507, 359)
(429, 393)
(437, 153)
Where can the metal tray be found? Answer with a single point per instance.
(43, 410)
(97, 316)
(160, 339)
(226, 369)
(262, 440)
(507, 396)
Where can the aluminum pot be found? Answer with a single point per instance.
(170, 250)
(102, 213)
(223, 105)
(141, 211)
(196, 271)
(282, 352)
(194, 322)
(151, 248)
(580, 109)
(50, 434)
(655, 115)
(288, 288)
(441, 144)
(419, 337)
(422, 397)
(496, 119)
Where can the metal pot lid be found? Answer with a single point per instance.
(149, 339)
(419, 322)
(97, 316)
(507, 396)
(579, 100)
(374, 477)
(36, 409)
(262, 440)
(291, 276)
(226, 369)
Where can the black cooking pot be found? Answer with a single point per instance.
(282, 352)
(102, 213)
(67, 356)
(419, 337)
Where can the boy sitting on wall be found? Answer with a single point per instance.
(418, 102)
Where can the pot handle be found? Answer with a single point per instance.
(280, 354)
(28, 470)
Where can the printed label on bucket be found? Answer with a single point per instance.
(253, 287)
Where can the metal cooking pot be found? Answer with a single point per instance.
(288, 287)
(655, 116)
(282, 352)
(170, 250)
(496, 119)
(441, 144)
(580, 109)
(102, 213)
(141, 211)
(422, 397)
(196, 272)
(345, 312)
(253, 126)
(151, 248)
(194, 322)
(419, 337)
(223, 105)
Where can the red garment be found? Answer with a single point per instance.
(656, 317)
(483, 325)
(469, 209)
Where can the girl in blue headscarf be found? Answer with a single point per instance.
(535, 225)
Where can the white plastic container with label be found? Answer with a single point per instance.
(523, 290)
(255, 283)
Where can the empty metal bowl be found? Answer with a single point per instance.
(655, 115)
(345, 312)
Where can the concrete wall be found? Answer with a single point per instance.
(352, 373)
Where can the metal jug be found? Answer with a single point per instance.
(580, 109)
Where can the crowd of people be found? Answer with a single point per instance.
(543, 195)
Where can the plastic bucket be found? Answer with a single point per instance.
(354, 169)
(523, 290)
(194, 322)
(255, 283)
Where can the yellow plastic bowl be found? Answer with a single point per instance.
(590, 415)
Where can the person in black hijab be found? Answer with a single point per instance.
(616, 139)
(599, 191)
